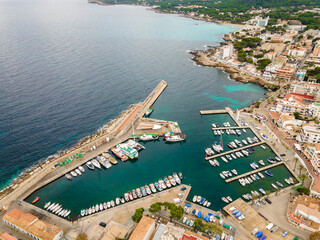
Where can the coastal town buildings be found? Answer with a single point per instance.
(312, 152)
(258, 21)
(32, 226)
(294, 103)
(226, 51)
(304, 211)
(310, 133)
(306, 88)
(144, 229)
(6, 236)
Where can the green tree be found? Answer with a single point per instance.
(136, 217)
(302, 178)
(300, 169)
(296, 115)
(156, 207)
(262, 63)
(303, 190)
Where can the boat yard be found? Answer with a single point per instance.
(253, 222)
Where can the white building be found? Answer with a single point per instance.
(312, 152)
(226, 51)
(288, 122)
(259, 21)
(310, 133)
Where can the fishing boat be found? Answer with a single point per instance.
(126, 197)
(148, 190)
(153, 189)
(68, 176)
(81, 169)
(175, 138)
(128, 151)
(90, 165)
(110, 158)
(123, 201)
(143, 191)
(35, 200)
(148, 137)
(268, 173)
(96, 163)
(149, 111)
(134, 194)
(120, 154)
(202, 201)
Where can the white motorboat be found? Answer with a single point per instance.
(78, 171)
(224, 159)
(81, 169)
(90, 165)
(47, 205)
(146, 137)
(234, 171)
(261, 162)
(175, 138)
(222, 176)
(216, 162)
(212, 163)
(96, 163)
(199, 198)
(194, 198)
(74, 174)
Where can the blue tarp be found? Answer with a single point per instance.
(263, 237)
(238, 214)
(235, 211)
(188, 205)
(259, 234)
(210, 214)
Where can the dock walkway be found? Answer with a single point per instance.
(235, 150)
(235, 127)
(253, 172)
(207, 112)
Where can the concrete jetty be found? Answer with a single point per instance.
(218, 111)
(234, 150)
(253, 172)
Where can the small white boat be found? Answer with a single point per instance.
(90, 165)
(212, 163)
(199, 199)
(175, 138)
(225, 200)
(261, 162)
(146, 137)
(81, 169)
(78, 172)
(216, 162)
(194, 198)
(224, 159)
(74, 174)
(47, 205)
(234, 171)
(222, 176)
(274, 186)
(96, 163)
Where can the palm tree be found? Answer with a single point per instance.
(295, 163)
(302, 178)
(300, 169)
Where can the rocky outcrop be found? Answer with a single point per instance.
(200, 57)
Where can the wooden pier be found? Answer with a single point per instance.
(253, 172)
(235, 150)
(235, 127)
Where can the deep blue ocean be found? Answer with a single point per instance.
(68, 67)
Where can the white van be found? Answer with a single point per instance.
(269, 226)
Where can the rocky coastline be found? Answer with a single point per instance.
(200, 58)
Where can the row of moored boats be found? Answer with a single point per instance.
(143, 191)
(57, 209)
(201, 201)
(229, 131)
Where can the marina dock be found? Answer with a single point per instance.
(235, 127)
(253, 172)
(235, 150)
